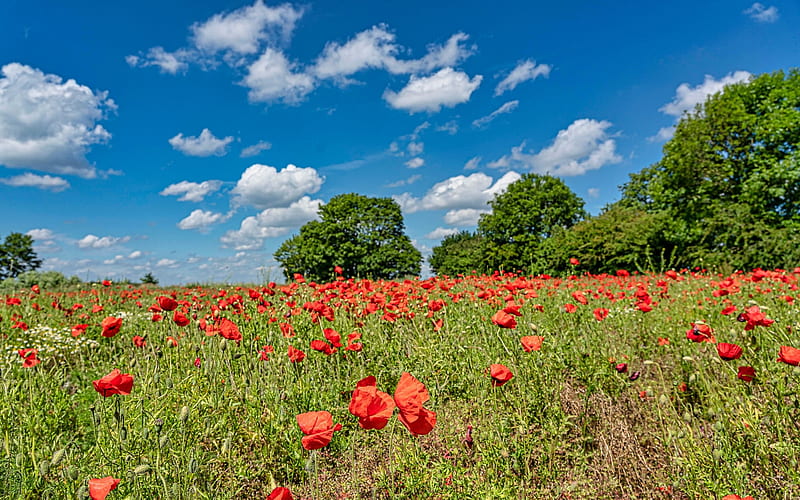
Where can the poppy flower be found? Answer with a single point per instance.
(500, 374)
(79, 330)
(372, 407)
(167, 303)
(111, 326)
(280, 493)
(296, 355)
(621, 368)
(570, 308)
(29, 357)
(100, 488)
(736, 497)
(180, 319)
(754, 317)
(600, 313)
(531, 342)
(746, 373)
(700, 332)
(287, 330)
(139, 341)
(573, 261)
(318, 429)
(409, 396)
(114, 383)
(789, 355)
(333, 337)
(504, 320)
(729, 351)
(322, 346)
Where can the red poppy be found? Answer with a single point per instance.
(700, 332)
(372, 407)
(600, 313)
(79, 330)
(663, 341)
(171, 341)
(180, 319)
(167, 303)
(500, 374)
(736, 497)
(754, 318)
(114, 383)
(139, 341)
(409, 396)
(322, 346)
(728, 310)
(111, 326)
(570, 308)
(100, 488)
(729, 351)
(504, 320)
(580, 298)
(287, 330)
(228, 329)
(575, 262)
(789, 355)
(531, 342)
(280, 493)
(746, 373)
(338, 270)
(318, 429)
(621, 367)
(35, 289)
(333, 337)
(29, 357)
(296, 355)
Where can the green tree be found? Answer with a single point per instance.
(740, 148)
(529, 211)
(17, 255)
(149, 279)
(364, 236)
(458, 253)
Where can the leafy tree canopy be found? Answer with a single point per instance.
(529, 211)
(17, 256)
(458, 253)
(363, 236)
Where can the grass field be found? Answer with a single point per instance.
(619, 386)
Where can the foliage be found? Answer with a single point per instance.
(529, 211)
(458, 253)
(363, 236)
(45, 279)
(149, 279)
(739, 148)
(17, 255)
(619, 238)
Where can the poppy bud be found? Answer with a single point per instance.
(44, 467)
(58, 456)
(622, 367)
(141, 469)
(634, 376)
(184, 415)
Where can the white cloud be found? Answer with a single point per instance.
(243, 30)
(49, 124)
(272, 78)
(663, 134)
(450, 127)
(584, 145)
(92, 241)
(41, 234)
(167, 62)
(505, 108)
(135, 254)
(375, 48)
(270, 223)
(167, 263)
(46, 182)
(415, 148)
(404, 182)
(263, 186)
(415, 162)
(202, 220)
(686, 97)
(762, 14)
(473, 163)
(525, 70)
(206, 144)
(446, 88)
(472, 191)
(191, 191)
(464, 217)
(440, 232)
(255, 149)
(593, 192)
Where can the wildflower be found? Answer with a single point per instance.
(280, 493)
(100, 488)
(171, 341)
(621, 368)
(504, 320)
(574, 262)
(318, 429)
(29, 357)
(180, 319)
(333, 337)
(600, 313)
(789, 355)
(754, 317)
(746, 373)
(500, 374)
(531, 342)
(409, 396)
(111, 326)
(167, 303)
(570, 308)
(296, 355)
(736, 497)
(372, 407)
(700, 332)
(114, 383)
(729, 351)
(139, 341)
(79, 330)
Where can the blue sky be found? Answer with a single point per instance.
(189, 139)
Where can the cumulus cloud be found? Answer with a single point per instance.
(584, 145)
(46, 182)
(687, 98)
(447, 87)
(166, 62)
(206, 144)
(404, 182)
(472, 191)
(415, 162)
(191, 191)
(243, 30)
(762, 14)
(167, 263)
(202, 220)
(49, 124)
(272, 77)
(505, 108)
(270, 223)
(464, 217)
(450, 127)
(415, 148)
(255, 149)
(376, 48)
(440, 232)
(95, 242)
(41, 234)
(524, 71)
(262, 186)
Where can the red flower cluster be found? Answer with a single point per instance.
(114, 383)
(318, 429)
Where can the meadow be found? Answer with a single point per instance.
(680, 385)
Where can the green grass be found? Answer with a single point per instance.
(567, 425)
